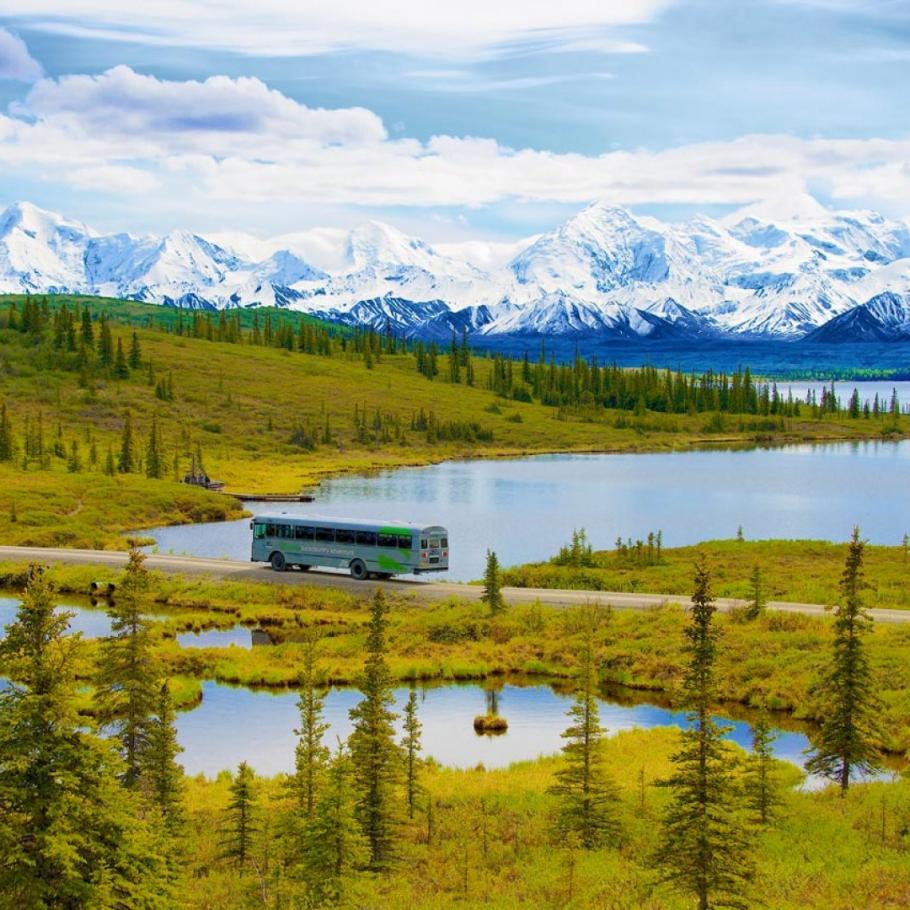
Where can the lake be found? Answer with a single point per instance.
(235, 724)
(526, 508)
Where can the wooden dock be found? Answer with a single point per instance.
(274, 497)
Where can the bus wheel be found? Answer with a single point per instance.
(359, 570)
(279, 563)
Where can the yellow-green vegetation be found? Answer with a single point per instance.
(775, 659)
(800, 571)
(278, 410)
(491, 843)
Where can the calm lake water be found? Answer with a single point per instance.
(526, 508)
(92, 623)
(235, 724)
(237, 637)
(843, 390)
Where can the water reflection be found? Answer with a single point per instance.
(237, 724)
(90, 621)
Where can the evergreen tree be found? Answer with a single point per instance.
(757, 600)
(241, 824)
(704, 849)
(760, 784)
(311, 756)
(411, 746)
(7, 447)
(375, 756)
(154, 457)
(848, 741)
(162, 776)
(71, 836)
(110, 467)
(135, 358)
(87, 333)
(127, 459)
(335, 844)
(106, 351)
(588, 798)
(127, 692)
(492, 585)
(121, 367)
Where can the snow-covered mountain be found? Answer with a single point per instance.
(786, 269)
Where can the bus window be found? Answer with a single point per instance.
(445, 542)
(366, 538)
(434, 543)
(258, 530)
(423, 543)
(303, 532)
(404, 543)
(388, 540)
(326, 535)
(270, 531)
(342, 536)
(287, 532)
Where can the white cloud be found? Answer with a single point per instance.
(241, 145)
(15, 60)
(292, 27)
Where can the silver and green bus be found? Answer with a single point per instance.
(365, 548)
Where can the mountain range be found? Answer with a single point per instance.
(789, 270)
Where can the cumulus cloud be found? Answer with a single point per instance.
(15, 60)
(238, 142)
(289, 28)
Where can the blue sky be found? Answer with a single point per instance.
(469, 123)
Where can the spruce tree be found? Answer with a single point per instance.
(757, 600)
(154, 457)
(162, 776)
(241, 822)
(135, 358)
(71, 836)
(121, 367)
(762, 791)
(411, 746)
(849, 737)
(589, 800)
(335, 844)
(375, 755)
(127, 693)
(106, 352)
(88, 333)
(7, 448)
(492, 585)
(311, 756)
(704, 847)
(127, 459)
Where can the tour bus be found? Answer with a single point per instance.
(365, 548)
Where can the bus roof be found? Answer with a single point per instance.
(393, 527)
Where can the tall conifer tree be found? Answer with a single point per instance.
(375, 756)
(849, 738)
(71, 836)
(237, 844)
(411, 746)
(588, 798)
(705, 848)
(127, 692)
(311, 756)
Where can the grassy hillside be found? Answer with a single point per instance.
(265, 418)
(800, 571)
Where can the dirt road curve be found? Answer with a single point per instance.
(424, 590)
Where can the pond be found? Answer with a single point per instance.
(236, 637)
(235, 724)
(526, 508)
(92, 622)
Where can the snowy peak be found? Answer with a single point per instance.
(785, 268)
